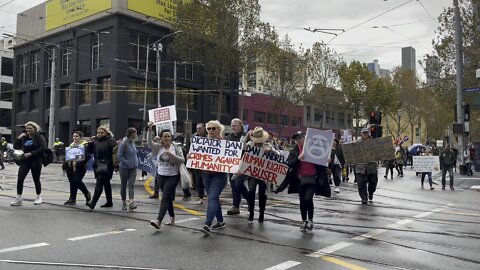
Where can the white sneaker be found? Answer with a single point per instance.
(200, 201)
(38, 200)
(337, 190)
(16, 202)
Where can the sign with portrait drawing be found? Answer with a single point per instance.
(317, 146)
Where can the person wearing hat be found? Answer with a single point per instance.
(257, 138)
(33, 145)
(302, 179)
(366, 174)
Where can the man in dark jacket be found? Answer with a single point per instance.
(236, 182)
(366, 174)
(447, 161)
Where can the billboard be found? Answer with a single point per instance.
(163, 10)
(61, 12)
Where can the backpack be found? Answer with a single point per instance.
(115, 161)
(47, 155)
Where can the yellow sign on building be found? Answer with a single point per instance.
(62, 12)
(163, 10)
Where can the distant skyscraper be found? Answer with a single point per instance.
(374, 67)
(408, 58)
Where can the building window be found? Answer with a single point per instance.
(35, 65)
(341, 118)
(318, 115)
(6, 90)
(97, 51)
(66, 59)
(327, 117)
(187, 71)
(65, 95)
(136, 91)
(350, 120)
(296, 121)
(309, 117)
(245, 115)
(284, 120)
(22, 75)
(33, 100)
(259, 117)
(103, 122)
(7, 66)
(84, 126)
(85, 89)
(138, 51)
(104, 87)
(186, 100)
(272, 119)
(214, 99)
(22, 102)
(252, 80)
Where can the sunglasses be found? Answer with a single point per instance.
(211, 128)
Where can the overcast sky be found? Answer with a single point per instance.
(412, 24)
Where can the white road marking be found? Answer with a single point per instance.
(186, 220)
(369, 234)
(329, 249)
(104, 266)
(99, 234)
(23, 247)
(403, 221)
(450, 204)
(284, 265)
(421, 215)
(437, 210)
(475, 187)
(471, 178)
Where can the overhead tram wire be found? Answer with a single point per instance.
(426, 10)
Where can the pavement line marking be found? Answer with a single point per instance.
(284, 265)
(437, 210)
(471, 178)
(394, 226)
(23, 247)
(147, 187)
(186, 220)
(329, 249)
(342, 263)
(369, 234)
(104, 266)
(450, 204)
(83, 237)
(421, 215)
(403, 221)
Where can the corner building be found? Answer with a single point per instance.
(100, 49)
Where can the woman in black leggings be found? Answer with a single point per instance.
(32, 144)
(76, 167)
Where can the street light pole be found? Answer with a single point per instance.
(51, 113)
(159, 50)
(459, 68)
(175, 91)
(145, 90)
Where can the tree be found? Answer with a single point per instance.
(284, 77)
(323, 64)
(356, 80)
(221, 34)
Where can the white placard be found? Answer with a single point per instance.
(163, 126)
(214, 155)
(426, 164)
(269, 166)
(318, 146)
(162, 115)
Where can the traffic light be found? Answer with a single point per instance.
(376, 131)
(375, 118)
(378, 117)
(372, 118)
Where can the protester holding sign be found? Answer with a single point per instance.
(169, 157)
(197, 174)
(257, 138)
(336, 163)
(127, 155)
(366, 173)
(306, 179)
(428, 152)
(76, 168)
(214, 184)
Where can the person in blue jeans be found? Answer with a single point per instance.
(214, 183)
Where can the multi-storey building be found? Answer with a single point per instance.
(408, 59)
(102, 49)
(6, 87)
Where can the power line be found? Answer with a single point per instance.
(426, 10)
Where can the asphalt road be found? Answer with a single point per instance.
(404, 228)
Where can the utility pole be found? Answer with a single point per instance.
(459, 78)
(145, 92)
(159, 50)
(175, 92)
(51, 115)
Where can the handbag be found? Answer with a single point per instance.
(102, 167)
(18, 156)
(184, 176)
(322, 187)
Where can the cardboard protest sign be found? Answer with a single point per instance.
(74, 153)
(214, 155)
(163, 114)
(426, 164)
(318, 146)
(367, 151)
(165, 125)
(143, 163)
(267, 166)
(346, 136)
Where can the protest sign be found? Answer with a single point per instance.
(74, 153)
(163, 114)
(264, 165)
(165, 125)
(426, 164)
(317, 146)
(143, 163)
(214, 155)
(369, 150)
(346, 136)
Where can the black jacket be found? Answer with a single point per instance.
(235, 137)
(36, 149)
(339, 154)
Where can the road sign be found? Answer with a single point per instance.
(468, 90)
